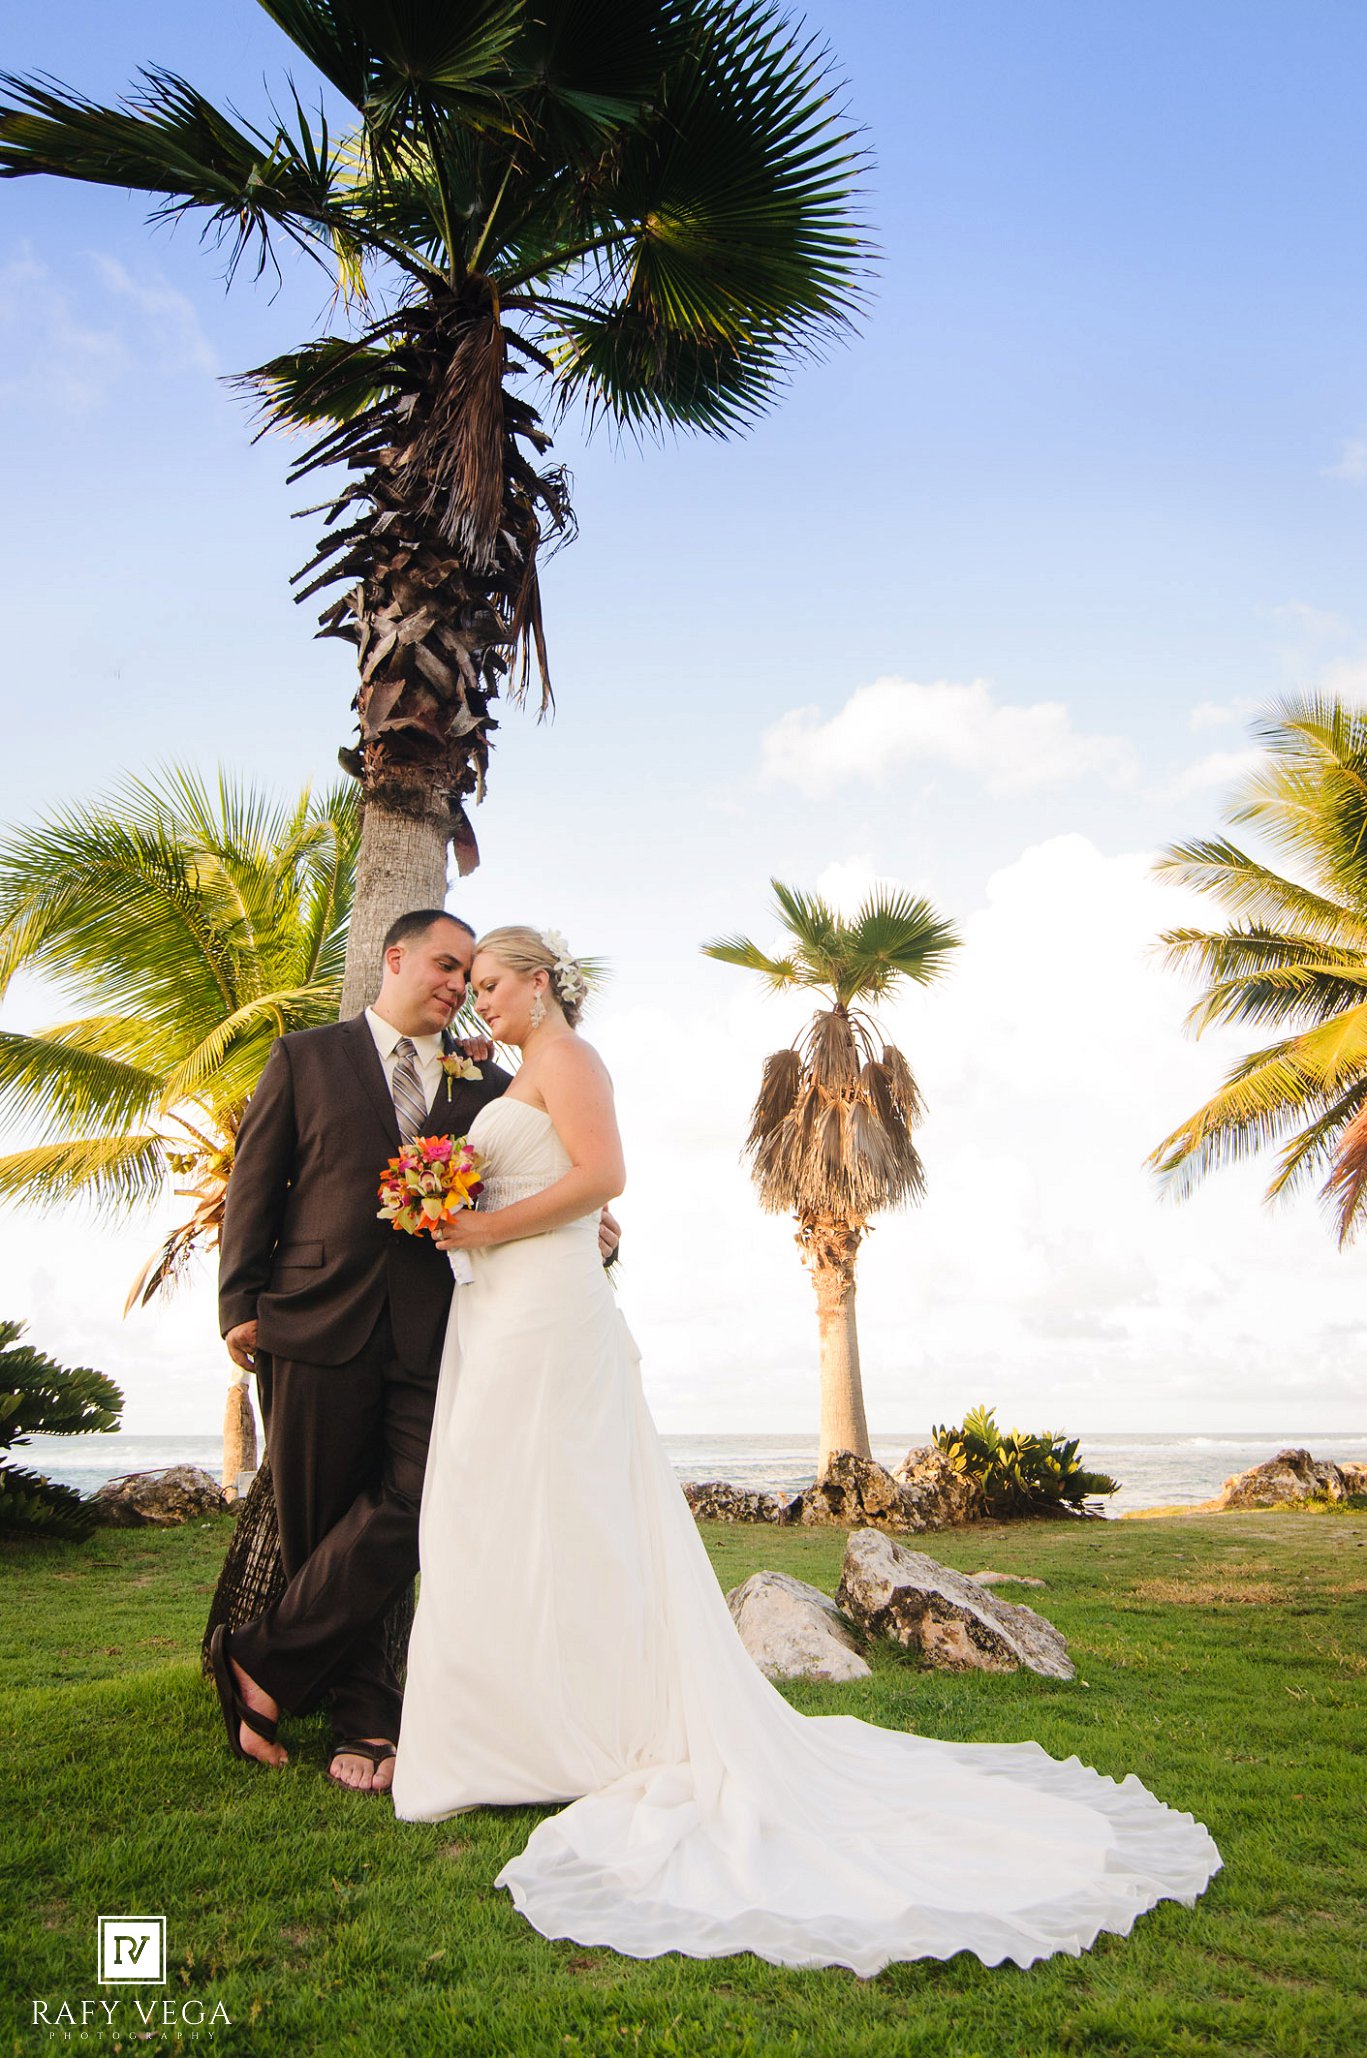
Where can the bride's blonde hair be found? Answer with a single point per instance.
(526, 950)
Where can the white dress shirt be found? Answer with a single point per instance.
(428, 1049)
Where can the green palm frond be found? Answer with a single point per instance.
(1256, 975)
(895, 936)
(202, 918)
(1258, 894)
(331, 381)
(56, 1079)
(167, 139)
(250, 1030)
(1294, 957)
(1317, 1152)
(1266, 1096)
(113, 1173)
(738, 950)
(1309, 796)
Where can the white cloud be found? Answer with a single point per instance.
(1212, 714)
(52, 356)
(1346, 679)
(1351, 463)
(69, 343)
(169, 320)
(1217, 771)
(1311, 624)
(894, 723)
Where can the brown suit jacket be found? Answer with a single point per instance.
(302, 1250)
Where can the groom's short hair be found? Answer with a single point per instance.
(417, 922)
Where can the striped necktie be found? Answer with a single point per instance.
(409, 1103)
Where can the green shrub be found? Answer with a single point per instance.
(1021, 1474)
(39, 1396)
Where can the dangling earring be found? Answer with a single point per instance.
(538, 1011)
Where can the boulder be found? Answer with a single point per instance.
(1006, 1579)
(794, 1631)
(712, 1500)
(956, 1624)
(1293, 1475)
(855, 1493)
(943, 1495)
(177, 1493)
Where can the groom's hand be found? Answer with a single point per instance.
(241, 1342)
(609, 1236)
(478, 1049)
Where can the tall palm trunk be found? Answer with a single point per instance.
(831, 1248)
(444, 518)
(402, 864)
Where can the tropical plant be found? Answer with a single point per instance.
(39, 1396)
(644, 204)
(831, 1132)
(191, 925)
(1294, 958)
(1020, 1473)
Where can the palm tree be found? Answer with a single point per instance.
(1294, 958)
(644, 204)
(830, 1137)
(191, 926)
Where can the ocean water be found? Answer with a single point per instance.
(1155, 1469)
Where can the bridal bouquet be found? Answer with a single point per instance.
(431, 1179)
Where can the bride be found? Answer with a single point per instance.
(585, 1654)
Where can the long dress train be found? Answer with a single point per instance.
(571, 1644)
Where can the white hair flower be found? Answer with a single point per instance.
(567, 978)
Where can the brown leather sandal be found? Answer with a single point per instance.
(235, 1709)
(353, 1747)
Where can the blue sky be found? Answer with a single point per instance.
(1088, 486)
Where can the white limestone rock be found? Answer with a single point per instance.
(956, 1624)
(794, 1631)
(158, 1500)
(1293, 1475)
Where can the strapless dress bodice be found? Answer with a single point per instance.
(522, 1152)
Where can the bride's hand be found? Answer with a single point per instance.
(466, 1231)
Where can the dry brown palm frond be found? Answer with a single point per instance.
(831, 1154)
(452, 472)
(779, 1089)
(870, 1147)
(775, 1165)
(876, 1088)
(199, 1232)
(904, 1089)
(832, 1052)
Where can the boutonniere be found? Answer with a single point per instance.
(456, 1065)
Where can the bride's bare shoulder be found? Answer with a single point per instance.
(569, 1061)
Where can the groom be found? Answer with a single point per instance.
(342, 1320)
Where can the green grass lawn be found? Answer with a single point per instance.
(1220, 1657)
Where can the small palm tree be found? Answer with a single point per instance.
(831, 1134)
(1294, 957)
(643, 204)
(191, 926)
(39, 1396)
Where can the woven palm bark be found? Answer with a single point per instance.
(253, 1576)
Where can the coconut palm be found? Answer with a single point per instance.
(190, 926)
(831, 1134)
(645, 205)
(1293, 958)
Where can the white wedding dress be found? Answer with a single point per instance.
(572, 1645)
